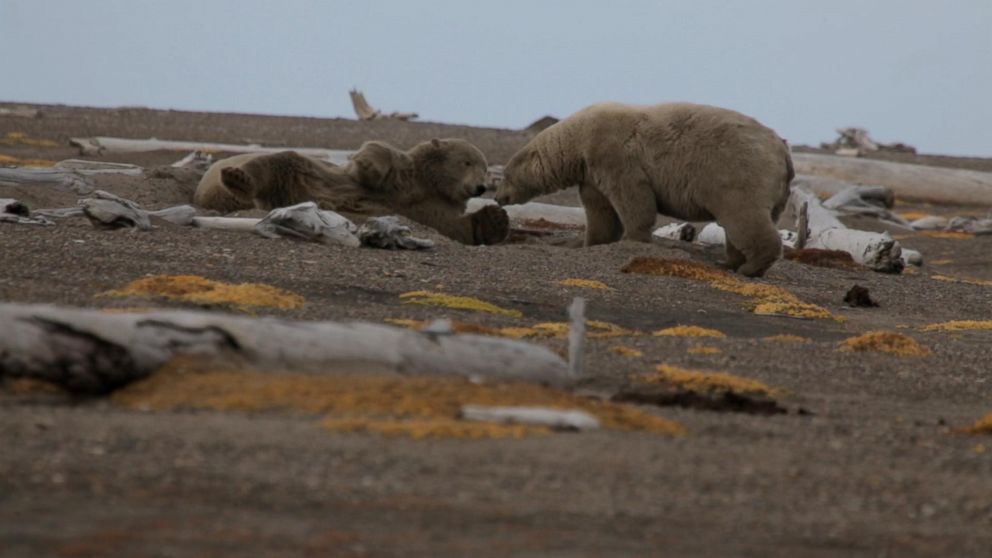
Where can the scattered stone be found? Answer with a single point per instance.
(858, 297)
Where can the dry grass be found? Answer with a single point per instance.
(981, 426)
(766, 299)
(688, 331)
(387, 404)
(959, 325)
(20, 138)
(16, 162)
(888, 342)
(703, 350)
(443, 300)
(706, 381)
(951, 235)
(594, 329)
(912, 215)
(965, 280)
(585, 284)
(206, 292)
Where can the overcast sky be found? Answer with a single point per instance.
(914, 71)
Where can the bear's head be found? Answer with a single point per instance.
(380, 166)
(453, 168)
(520, 178)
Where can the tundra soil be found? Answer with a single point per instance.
(870, 460)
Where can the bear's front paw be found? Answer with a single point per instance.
(490, 225)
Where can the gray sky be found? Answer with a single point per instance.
(908, 70)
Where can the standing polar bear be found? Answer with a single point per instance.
(430, 184)
(691, 162)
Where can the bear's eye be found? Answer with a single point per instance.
(468, 163)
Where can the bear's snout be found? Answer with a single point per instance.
(480, 189)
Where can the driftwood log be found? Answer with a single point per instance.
(89, 351)
(100, 145)
(909, 182)
(364, 111)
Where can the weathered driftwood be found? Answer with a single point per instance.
(90, 168)
(909, 182)
(873, 201)
(711, 234)
(89, 351)
(20, 112)
(364, 111)
(306, 221)
(855, 141)
(576, 337)
(106, 210)
(537, 416)
(388, 233)
(197, 160)
(13, 211)
(64, 180)
(535, 211)
(101, 145)
(875, 250)
(227, 223)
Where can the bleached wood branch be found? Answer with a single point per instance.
(89, 351)
(538, 416)
(909, 182)
(65, 180)
(364, 111)
(571, 217)
(875, 250)
(100, 145)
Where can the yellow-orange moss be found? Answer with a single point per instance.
(17, 162)
(959, 325)
(429, 298)
(584, 284)
(688, 331)
(786, 338)
(888, 342)
(981, 426)
(30, 386)
(705, 380)
(941, 262)
(703, 350)
(426, 406)
(626, 351)
(594, 329)
(766, 299)
(966, 280)
(951, 235)
(206, 292)
(912, 215)
(20, 138)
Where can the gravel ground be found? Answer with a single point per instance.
(873, 466)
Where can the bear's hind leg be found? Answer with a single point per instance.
(753, 234)
(602, 222)
(638, 210)
(735, 258)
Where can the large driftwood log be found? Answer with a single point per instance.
(364, 111)
(572, 217)
(89, 351)
(909, 182)
(100, 145)
(65, 180)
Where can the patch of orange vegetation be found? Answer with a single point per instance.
(20, 138)
(952, 235)
(786, 338)
(965, 280)
(419, 406)
(768, 299)
(206, 292)
(594, 329)
(959, 325)
(626, 351)
(888, 342)
(704, 380)
(703, 350)
(981, 426)
(585, 284)
(912, 215)
(429, 298)
(16, 162)
(941, 262)
(688, 331)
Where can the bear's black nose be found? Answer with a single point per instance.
(480, 189)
